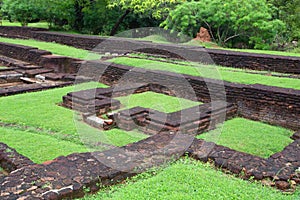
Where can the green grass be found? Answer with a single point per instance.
(2, 170)
(54, 48)
(214, 72)
(280, 53)
(250, 136)
(202, 44)
(40, 110)
(36, 25)
(53, 128)
(3, 67)
(189, 179)
(161, 39)
(156, 101)
(155, 38)
(39, 148)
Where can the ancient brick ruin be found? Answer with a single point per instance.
(30, 69)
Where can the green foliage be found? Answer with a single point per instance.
(156, 8)
(58, 13)
(95, 13)
(296, 50)
(228, 21)
(289, 12)
(23, 11)
(251, 137)
(189, 179)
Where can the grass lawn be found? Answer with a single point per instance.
(280, 53)
(55, 48)
(39, 110)
(36, 25)
(38, 147)
(250, 136)
(154, 38)
(156, 101)
(214, 72)
(189, 179)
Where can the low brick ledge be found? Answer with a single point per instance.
(11, 160)
(30, 88)
(282, 167)
(69, 176)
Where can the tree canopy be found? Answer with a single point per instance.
(256, 23)
(23, 11)
(289, 12)
(154, 7)
(228, 21)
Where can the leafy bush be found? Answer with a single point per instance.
(228, 21)
(24, 11)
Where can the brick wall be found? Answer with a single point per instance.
(273, 63)
(39, 57)
(278, 106)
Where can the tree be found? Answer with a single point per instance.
(23, 11)
(155, 8)
(228, 21)
(289, 12)
(56, 12)
(95, 13)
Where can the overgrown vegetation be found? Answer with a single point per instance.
(261, 24)
(190, 179)
(215, 72)
(249, 136)
(84, 16)
(229, 22)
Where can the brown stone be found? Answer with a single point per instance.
(282, 185)
(203, 35)
(48, 162)
(296, 136)
(51, 195)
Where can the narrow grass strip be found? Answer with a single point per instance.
(268, 52)
(36, 25)
(54, 48)
(210, 72)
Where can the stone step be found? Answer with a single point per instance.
(34, 72)
(29, 67)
